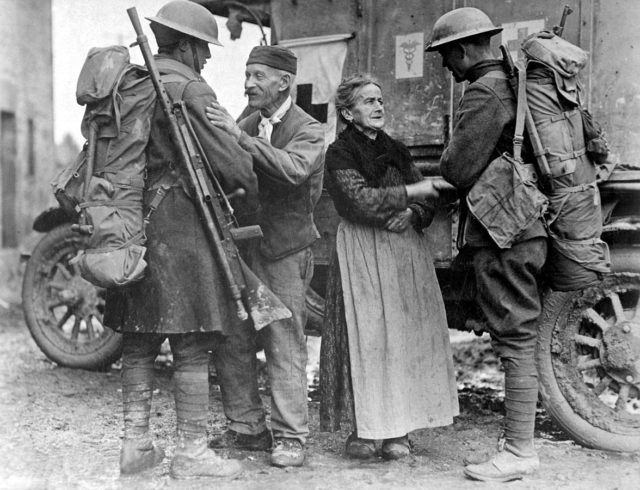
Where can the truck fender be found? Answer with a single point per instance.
(50, 219)
(44, 223)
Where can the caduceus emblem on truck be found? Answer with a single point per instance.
(409, 52)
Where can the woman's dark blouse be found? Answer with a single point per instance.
(366, 179)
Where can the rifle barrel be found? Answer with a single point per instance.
(143, 43)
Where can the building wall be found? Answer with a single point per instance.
(615, 75)
(26, 107)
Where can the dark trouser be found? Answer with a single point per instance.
(509, 296)
(236, 368)
(285, 348)
(191, 376)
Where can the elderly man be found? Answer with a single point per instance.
(287, 149)
(507, 279)
(182, 296)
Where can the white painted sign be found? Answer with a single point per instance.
(513, 33)
(320, 62)
(410, 55)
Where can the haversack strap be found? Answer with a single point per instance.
(521, 110)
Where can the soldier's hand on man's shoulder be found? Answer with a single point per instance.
(219, 117)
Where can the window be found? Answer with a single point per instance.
(8, 169)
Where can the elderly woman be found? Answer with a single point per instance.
(386, 360)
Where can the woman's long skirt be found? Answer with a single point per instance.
(402, 373)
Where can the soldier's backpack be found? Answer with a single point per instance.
(103, 188)
(573, 146)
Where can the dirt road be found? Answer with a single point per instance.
(61, 429)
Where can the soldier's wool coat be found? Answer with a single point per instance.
(183, 289)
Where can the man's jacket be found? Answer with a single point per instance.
(290, 169)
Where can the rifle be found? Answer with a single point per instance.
(246, 289)
(559, 29)
(544, 170)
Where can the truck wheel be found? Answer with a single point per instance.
(63, 311)
(588, 359)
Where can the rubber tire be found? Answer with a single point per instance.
(556, 310)
(94, 355)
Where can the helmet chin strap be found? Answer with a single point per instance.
(194, 54)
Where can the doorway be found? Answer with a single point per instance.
(8, 154)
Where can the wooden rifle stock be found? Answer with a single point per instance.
(213, 206)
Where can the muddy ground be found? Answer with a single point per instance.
(61, 429)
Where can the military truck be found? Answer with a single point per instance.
(588, 352)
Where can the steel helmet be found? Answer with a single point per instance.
(187, 18)
(459, 24)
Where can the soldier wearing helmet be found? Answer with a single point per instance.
(182, 296)
(507, 279)
(184, 22)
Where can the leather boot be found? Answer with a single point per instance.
(231, 439)
(193, 459)
(507, 465)
(287, 452)
(137, 455)
(359, 448)
(396, 448)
